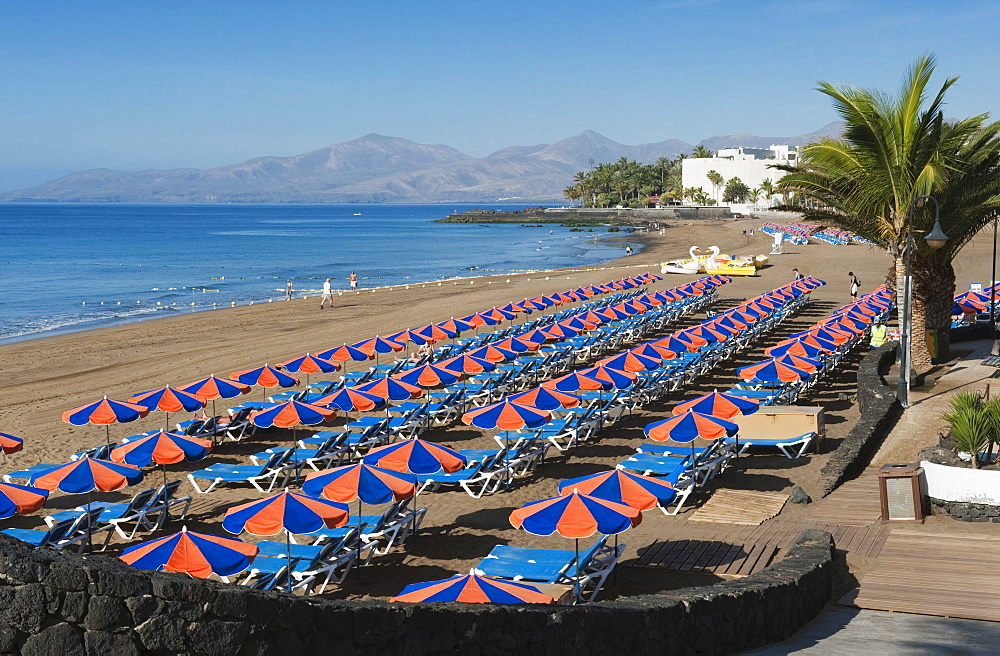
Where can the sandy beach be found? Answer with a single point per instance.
(44, 377)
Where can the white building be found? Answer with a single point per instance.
(751, 165)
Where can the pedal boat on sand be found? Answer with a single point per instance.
(738, 266)
(694, 264)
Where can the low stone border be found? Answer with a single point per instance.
(879, 412)
(54, 602)
(966, 512)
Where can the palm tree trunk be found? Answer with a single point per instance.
(933, 291)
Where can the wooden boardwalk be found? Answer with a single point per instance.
(713, 556)
(740, 507)
(855, 503)
(943, 575)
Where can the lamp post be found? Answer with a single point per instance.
(935, 239)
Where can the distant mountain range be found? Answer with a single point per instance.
(379, 169)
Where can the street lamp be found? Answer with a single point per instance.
(935, 239)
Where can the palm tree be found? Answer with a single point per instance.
(662, 164)
(716, 179)
(701, 151)
(753, 197)
(895, 149)
(767, 188)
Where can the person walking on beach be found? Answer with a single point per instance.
(327, 294)
(288, 290)
(796, 275)
(354, 280)
(855, 285)
(628, 250)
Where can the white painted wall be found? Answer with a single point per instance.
(963, 485)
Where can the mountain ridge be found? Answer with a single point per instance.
(376, 168)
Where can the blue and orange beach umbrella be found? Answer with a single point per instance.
(718, 404)
(350, 398)
(391, 389)
(772, 372)
(106, 411)
(345, 354)
(265, 377)
(415, 456)
(379, 344)
(196, 554)
(576, 381)
(545, 398)
(428, 375)
(163, 449)
(309, 364)
(493, 353)
(288, 512)
(635, 490)
(212, 388)
(575, 516)
(20, 499)
(631, 361)
(473, 589)
(363, 483)
(292, 413)
(506, 414)
(169, 400)
(10, 443)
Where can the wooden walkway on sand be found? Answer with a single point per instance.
(855, 503)
(740, 507)
(943, 575)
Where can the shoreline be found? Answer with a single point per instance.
(48, 375)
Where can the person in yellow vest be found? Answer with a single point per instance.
(879, 335)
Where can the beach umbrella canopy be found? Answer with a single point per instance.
(546, 398)
(20, 499)
(494, 354)
(798, 362)
(619, 379)
(345, 353)
(499, 314)
(719, 405)
(169, 399)
(473, 589)
(197, 554)
(562, 331)
(265, 377)
(10, 443)
(453, 325)
(539, 336)
(516, 308)
(367, 483)
(391, 389)
(794, 347)
(351, 398)
(292, 413)
(690, 426)
(593, 317)
(506, 415)
(410, 336)
(433, 333)
(686, 336)
(161, 448)
(467, 364)
(771, 371)
(639, 492)
(575, 515)
(517, 345)
(708, 333)
(533, 303)
(216, 388)
(653, 350)
(106, 411)
(576, 381)
(309, 364)
(480, 319)
(578, 324)
(812, 340)
(285, 511)
(416, 456)
(428, 375)
(87, 475)
(379, 344)
(676, 345)
(631, 361)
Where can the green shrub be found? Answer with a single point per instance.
(973, 424)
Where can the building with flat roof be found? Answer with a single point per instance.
(751, 165)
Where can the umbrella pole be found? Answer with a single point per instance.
(90, 532)
(577, 582)
(288, 553)
(167, 428)
(166, 507)
(107, 434)
(357, 566)
(213, 408)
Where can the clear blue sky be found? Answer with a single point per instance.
(131, 85)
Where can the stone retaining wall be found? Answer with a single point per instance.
(966, 512)
(54, 602)
(879, 412)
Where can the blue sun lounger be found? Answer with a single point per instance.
(784, 444)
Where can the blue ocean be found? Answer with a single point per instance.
(75, 267)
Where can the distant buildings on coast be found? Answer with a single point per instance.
(751, 165)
